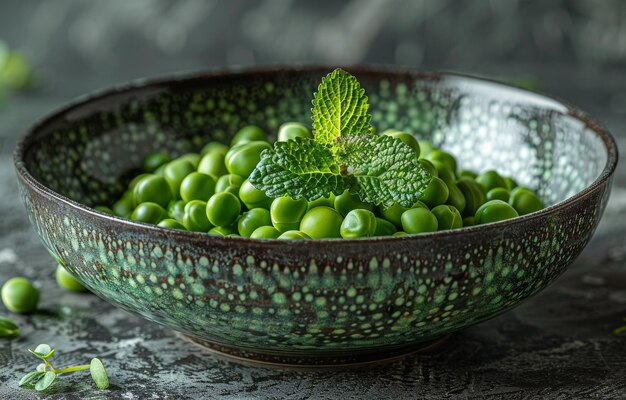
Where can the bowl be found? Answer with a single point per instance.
(315, 302)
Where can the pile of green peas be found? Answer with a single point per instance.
(209, 192)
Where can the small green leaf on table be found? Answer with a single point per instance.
(8, 328)
(45, 382)
(99, 374)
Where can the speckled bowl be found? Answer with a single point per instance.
(320, 301)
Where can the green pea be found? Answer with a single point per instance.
(419, 204)
(253, 197)
(428, 166)
(176, 209)
(193, 203)
(153, 161)
(248, 133)
(195, 218)
(293, 235)
(392, 213)
(222, 231)
(443, 171)
(135, 181)
(399, 233)
(493, 211)
(444, 157)
(448, 217)
(419, 220)
(292, 130)
(525, 201)
(174, 172)
(160, 171)
(223, 209)
(466, 173)
(104, 209)
(229, 183)
(15, 72)
(384, 227)
(197, 186)
(286, 213)
(322, 201)
(490, 179)
(19, 295)
(149, 213)
(152, 188)
(214, 147)
(358, 224)
(407, 138)
(253, 219)
(322, 222)
(265, 232)
(455, 196)
(67, 281)
(124, 206)
(498, 194)
(346, 202)
(468, 221)
(243, 158)
(172, 224)
(213, 164)
(426, 147)
(510, 183)
(193, 158)
(473, 193)
(435, 193)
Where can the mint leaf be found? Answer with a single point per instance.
(339, 108)
(99, 374)
(299, 168)
(386, 169)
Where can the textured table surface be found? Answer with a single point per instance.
(558, 344)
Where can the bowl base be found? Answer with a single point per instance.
(333, 359)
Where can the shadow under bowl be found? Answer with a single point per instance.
(318, 301)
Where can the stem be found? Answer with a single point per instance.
(619, 331)
(71, 369)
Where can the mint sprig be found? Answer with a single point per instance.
(45, 373)
(345, 153)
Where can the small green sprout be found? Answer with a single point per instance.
(45, 374)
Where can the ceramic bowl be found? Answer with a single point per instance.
(314, 302)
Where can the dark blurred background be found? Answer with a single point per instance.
(573, 49)
(117, 40)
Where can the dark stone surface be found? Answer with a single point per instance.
(558, 344)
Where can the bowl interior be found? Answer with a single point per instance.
(90, 152)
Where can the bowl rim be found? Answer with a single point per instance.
(161, 82)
